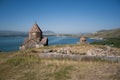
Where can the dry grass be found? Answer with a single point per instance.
(26, 65)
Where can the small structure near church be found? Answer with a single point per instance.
(82, 39)
(35, 39)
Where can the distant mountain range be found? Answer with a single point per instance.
(105, 33)
(97, 34)
(6, 33)
(49, 33)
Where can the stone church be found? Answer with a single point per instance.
(35, 39)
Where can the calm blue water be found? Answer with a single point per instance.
(13, 43)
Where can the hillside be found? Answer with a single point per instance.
(106, 33)
(111, 37)
(27, 65)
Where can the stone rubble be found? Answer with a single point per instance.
(64, 51)
(59, 51)
(103, 51)
(106, 51)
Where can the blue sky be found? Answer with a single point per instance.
(61, 16)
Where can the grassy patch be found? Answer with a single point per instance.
(63, 73)
(16, 61)
(29, 76)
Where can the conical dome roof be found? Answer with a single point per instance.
(35, 28)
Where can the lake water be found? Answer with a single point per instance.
(13, 43)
